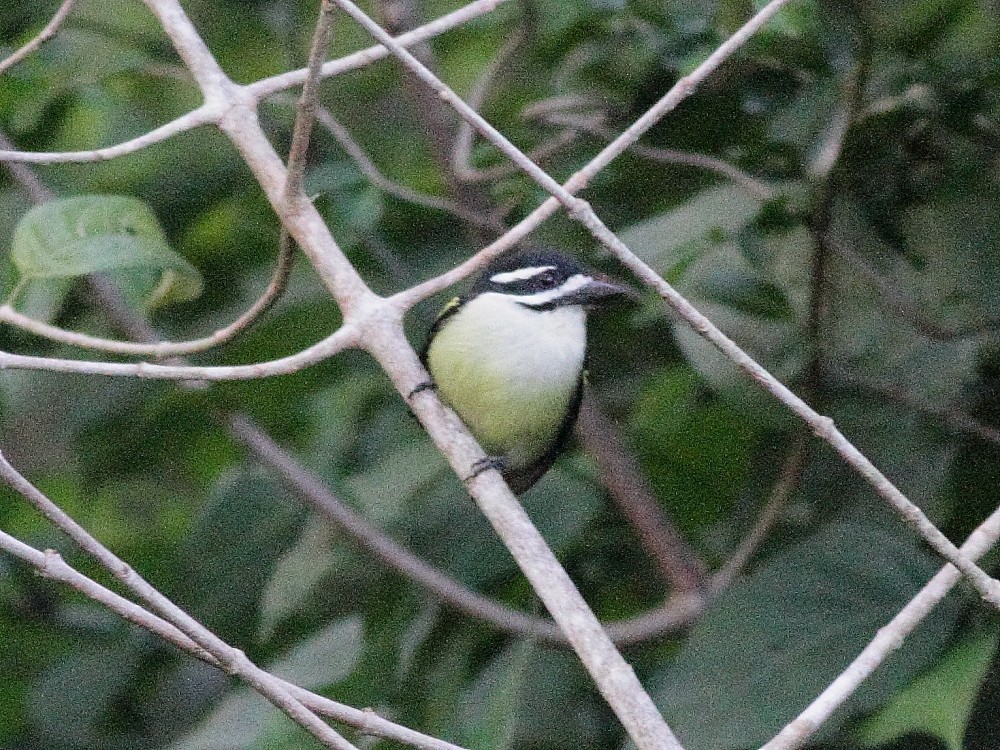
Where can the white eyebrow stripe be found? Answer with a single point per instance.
(520, 274)
(572, 284)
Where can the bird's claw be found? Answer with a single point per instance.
(485, 464)
(427, 385)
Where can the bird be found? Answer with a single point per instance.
(509, 357)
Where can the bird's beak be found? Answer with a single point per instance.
(602, 289)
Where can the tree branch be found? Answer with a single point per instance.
(232, 660)
(51, 565)
(43, 36)
(677, 562)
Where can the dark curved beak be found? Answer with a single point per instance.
(602, 290)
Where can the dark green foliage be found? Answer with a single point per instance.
(870, 285)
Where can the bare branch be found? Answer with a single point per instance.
(268, 86)
(161, 349)
(305, 111)
(888, 640)
(345, 337)
(955, 419)
(677, 562)
(612, 675)
(679, 612)
(540, 153)
(43, 36)
(731, 172)
(791, 473)
(372, 172)
(822, 427)
(461, 155)
(395, 556)
(203, 115)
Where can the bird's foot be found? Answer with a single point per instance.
(427, 385)
(485, 464)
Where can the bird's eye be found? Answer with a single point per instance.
(547, 280)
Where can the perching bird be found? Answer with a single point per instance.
(508, 356)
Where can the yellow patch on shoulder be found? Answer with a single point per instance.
(449, 306)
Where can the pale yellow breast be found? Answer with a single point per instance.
(510, 372)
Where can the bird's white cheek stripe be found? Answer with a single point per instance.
(572, 284)
(520, 274)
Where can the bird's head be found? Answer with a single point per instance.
(545, 280)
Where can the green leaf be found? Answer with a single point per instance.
(103, 233)
(696, 245)
(234, 547)
(697, 455)
(940, 701)
(776, 640)
(685, 232)
(492, 704)
(530, 695)
(244, 717)
(296, 574)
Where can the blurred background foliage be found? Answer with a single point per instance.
(862, 269)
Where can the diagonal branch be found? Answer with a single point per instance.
(677, 562)
(232, 660)
(370, 170)
(51, 565)
(40, 38)
(889, 639)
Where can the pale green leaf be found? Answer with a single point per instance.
(940, 701)
(243, 717)
(102, 233)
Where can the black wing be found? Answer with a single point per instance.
(522, 481)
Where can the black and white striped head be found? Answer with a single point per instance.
(545, 280)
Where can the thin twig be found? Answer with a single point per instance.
(305, 111)
(889, 639)
(436, 121)
(373, 173)
(393, 555)
(955, 419)
(51, 565)
(160, 349)
(791, 473)
(346, 337)
(43, 36)
(539, 154)
(677, 562)
(268, 86)
(822, 426)
(461, 153)
(899, 303)
(203, 115)
(731, 172)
